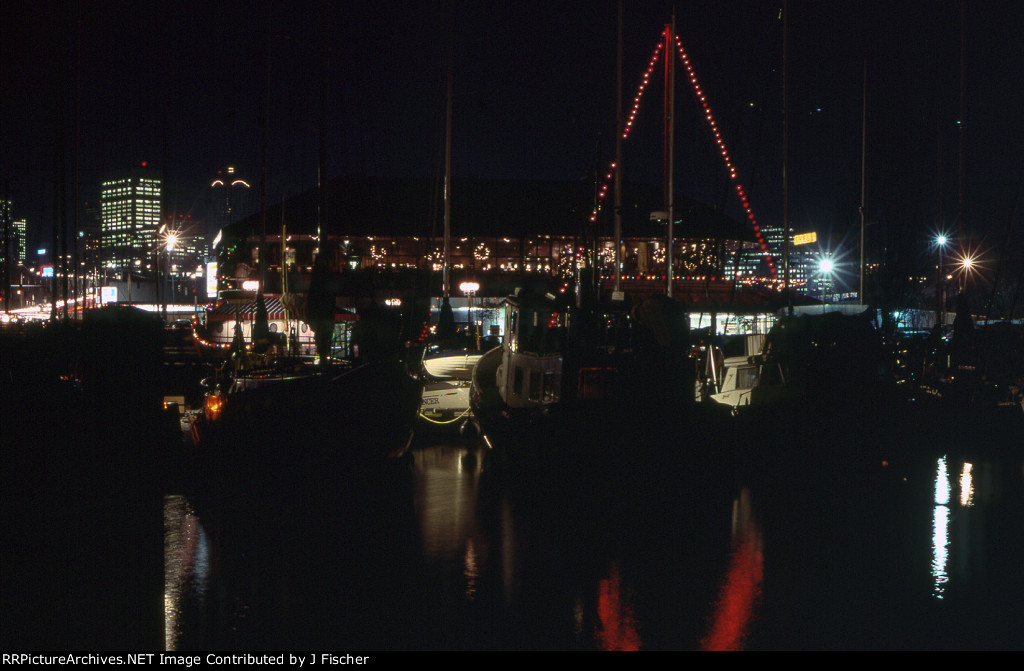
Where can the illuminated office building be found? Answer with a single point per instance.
(129, 219)
(12, 233)
(18, 234)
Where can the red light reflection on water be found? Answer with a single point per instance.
(741, 589)
(615, 610)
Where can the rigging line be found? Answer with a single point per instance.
(1005, 246)
(628, 126)
(723, 150)
(438, 155)
(773, 38)
(737, 121)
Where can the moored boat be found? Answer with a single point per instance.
(446, 386)
(832, 360)
(274, 414)
(520, 382)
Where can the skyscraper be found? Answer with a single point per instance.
(12, 233)
(19, 232)
(129, 218)
(5, 229)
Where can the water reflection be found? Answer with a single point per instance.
(940, 530)
(976, 539)
(960, 521)
(967, 485)
(619, 626)
(741, 590)
(186, 565)
(447, 480)
(463, 552)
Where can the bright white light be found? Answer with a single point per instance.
(941, 240)
(942, 483)
(469, 287)
(940, 551)
(826, 266)
(940, 531)
(967, 485)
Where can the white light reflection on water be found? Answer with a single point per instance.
(471, 571)
(447, 480)
(942, 483)
(967, 485)
(186, 564)
(940, 531)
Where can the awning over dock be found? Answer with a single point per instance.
(246, 311)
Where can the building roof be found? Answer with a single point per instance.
(362, 206)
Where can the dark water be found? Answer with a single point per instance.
(770, 543)
(897, 528)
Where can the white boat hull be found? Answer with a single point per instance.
(445, 401)
(454, 365)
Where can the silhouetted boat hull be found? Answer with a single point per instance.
(312, 423)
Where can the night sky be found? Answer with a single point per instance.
(180, 85)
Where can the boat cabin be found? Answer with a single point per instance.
(530, 373)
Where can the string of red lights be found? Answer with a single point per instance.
(709, 116)
(744, 201)
(628, 126)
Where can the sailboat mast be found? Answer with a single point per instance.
(785, 158)
(445, 279)
(961, 131)
(325, 68)
(263, 170)
(284, 276)
(863, 168)
(670, 98)
(617, 233)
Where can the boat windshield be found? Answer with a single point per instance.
(542, 332)
(746, 377)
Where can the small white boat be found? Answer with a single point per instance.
(445, 402)
(733, 378)
(741, 376)
(448, 377)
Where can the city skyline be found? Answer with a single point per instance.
(534, 97)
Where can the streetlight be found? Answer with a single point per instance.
(168, 238)
(825, 269)
(470, 288)
(968, 264)
(170, 241)
(940, 243)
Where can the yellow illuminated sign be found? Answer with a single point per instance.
(805, 238)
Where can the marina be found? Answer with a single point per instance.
(569, 383)
(895, 528)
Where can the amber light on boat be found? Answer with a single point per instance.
(213, 406)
